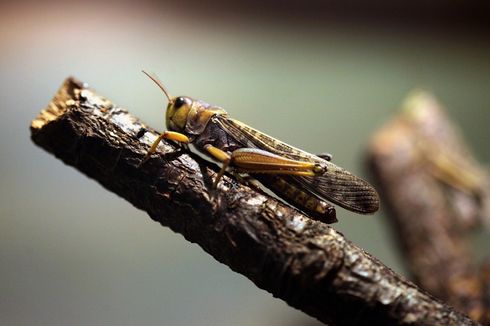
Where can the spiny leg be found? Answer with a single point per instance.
(247, 179)
(253, 160)
(172, 135)
(247, 159)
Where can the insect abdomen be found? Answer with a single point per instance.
(297, 197)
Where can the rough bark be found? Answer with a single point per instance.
(435, 192)
(304, 262)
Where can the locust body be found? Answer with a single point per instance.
(304, 180)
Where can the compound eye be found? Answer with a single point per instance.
(179, 101)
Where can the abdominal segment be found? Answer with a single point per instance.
(299, 198)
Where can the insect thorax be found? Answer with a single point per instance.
(199, 117)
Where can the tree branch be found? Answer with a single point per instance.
(435, 192)
(304, 262)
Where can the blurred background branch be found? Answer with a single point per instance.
(436, 193)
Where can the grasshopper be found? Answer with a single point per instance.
(304, 180)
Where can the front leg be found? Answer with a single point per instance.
(172, 135)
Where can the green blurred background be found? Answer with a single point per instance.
(321, 77)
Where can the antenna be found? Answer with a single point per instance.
(159, 83)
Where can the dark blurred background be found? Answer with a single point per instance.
(322, 76)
